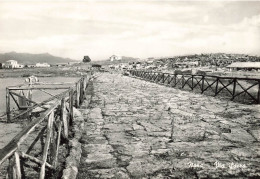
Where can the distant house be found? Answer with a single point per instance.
(114, 58)
(30, 65)
(61, 64)
(186, 64)
(12, 64)
(244, 66)
(42, 65)
(72, 63)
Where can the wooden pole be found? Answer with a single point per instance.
(192, 78)
(202, 85)
(216, 89)
(175, 80)
(82, 91)
(76, 90)
(8, 112)
(183, 81)
(17, 166)
(64, 119)
(47, 145)
(71, 106)
(234, 88)
(162, 77)
(11, 169)
(78, 94)
(35, 160)
(55, 161)
(258, 94)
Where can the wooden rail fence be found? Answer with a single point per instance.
(246, 90)
(49, 131)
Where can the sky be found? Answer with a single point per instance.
(130, 28)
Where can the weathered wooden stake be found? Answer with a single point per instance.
(258, 94)
(71, 106)
(11, 168)
(47, 144)
(216, 89)
(8, 112)
(202, 85)
(17, 166)
(64, 119)
(234, 88)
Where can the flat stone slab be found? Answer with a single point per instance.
(97, 148)
(139, 167)
(239, 135)
(119, 173)
(98, 160)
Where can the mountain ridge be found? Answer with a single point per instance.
(29, 58)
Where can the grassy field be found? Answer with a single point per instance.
(71, 71)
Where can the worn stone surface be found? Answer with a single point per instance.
(137, 129)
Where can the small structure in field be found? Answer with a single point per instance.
(115, 57)
(246, 66)
(42, 65)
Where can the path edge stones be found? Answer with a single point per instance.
(75, 151)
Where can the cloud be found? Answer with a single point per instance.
(142, 29)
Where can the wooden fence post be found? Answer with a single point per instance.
(182, 81)
(17, 166)
(258, 94)
(192, 78)
(11, 168)
(234, 88)
(71, 106)
(162, 77)
(47, 144)
(64, 119)
(202, 85)
(216, 89)
(81, 91)
(8, 112)
(77, 94)
(175, 80)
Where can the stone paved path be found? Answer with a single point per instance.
(137, 129)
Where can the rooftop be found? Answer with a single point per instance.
(244, 65)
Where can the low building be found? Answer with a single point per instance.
(72, 63)
(12, 64)
(61, 64)
(115, 57)
(244, 66)
(186, 64)
(42, 65)
(30, 66)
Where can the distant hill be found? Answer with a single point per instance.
(27, 58)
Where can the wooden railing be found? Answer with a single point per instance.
(39, 156)
(246, 90)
